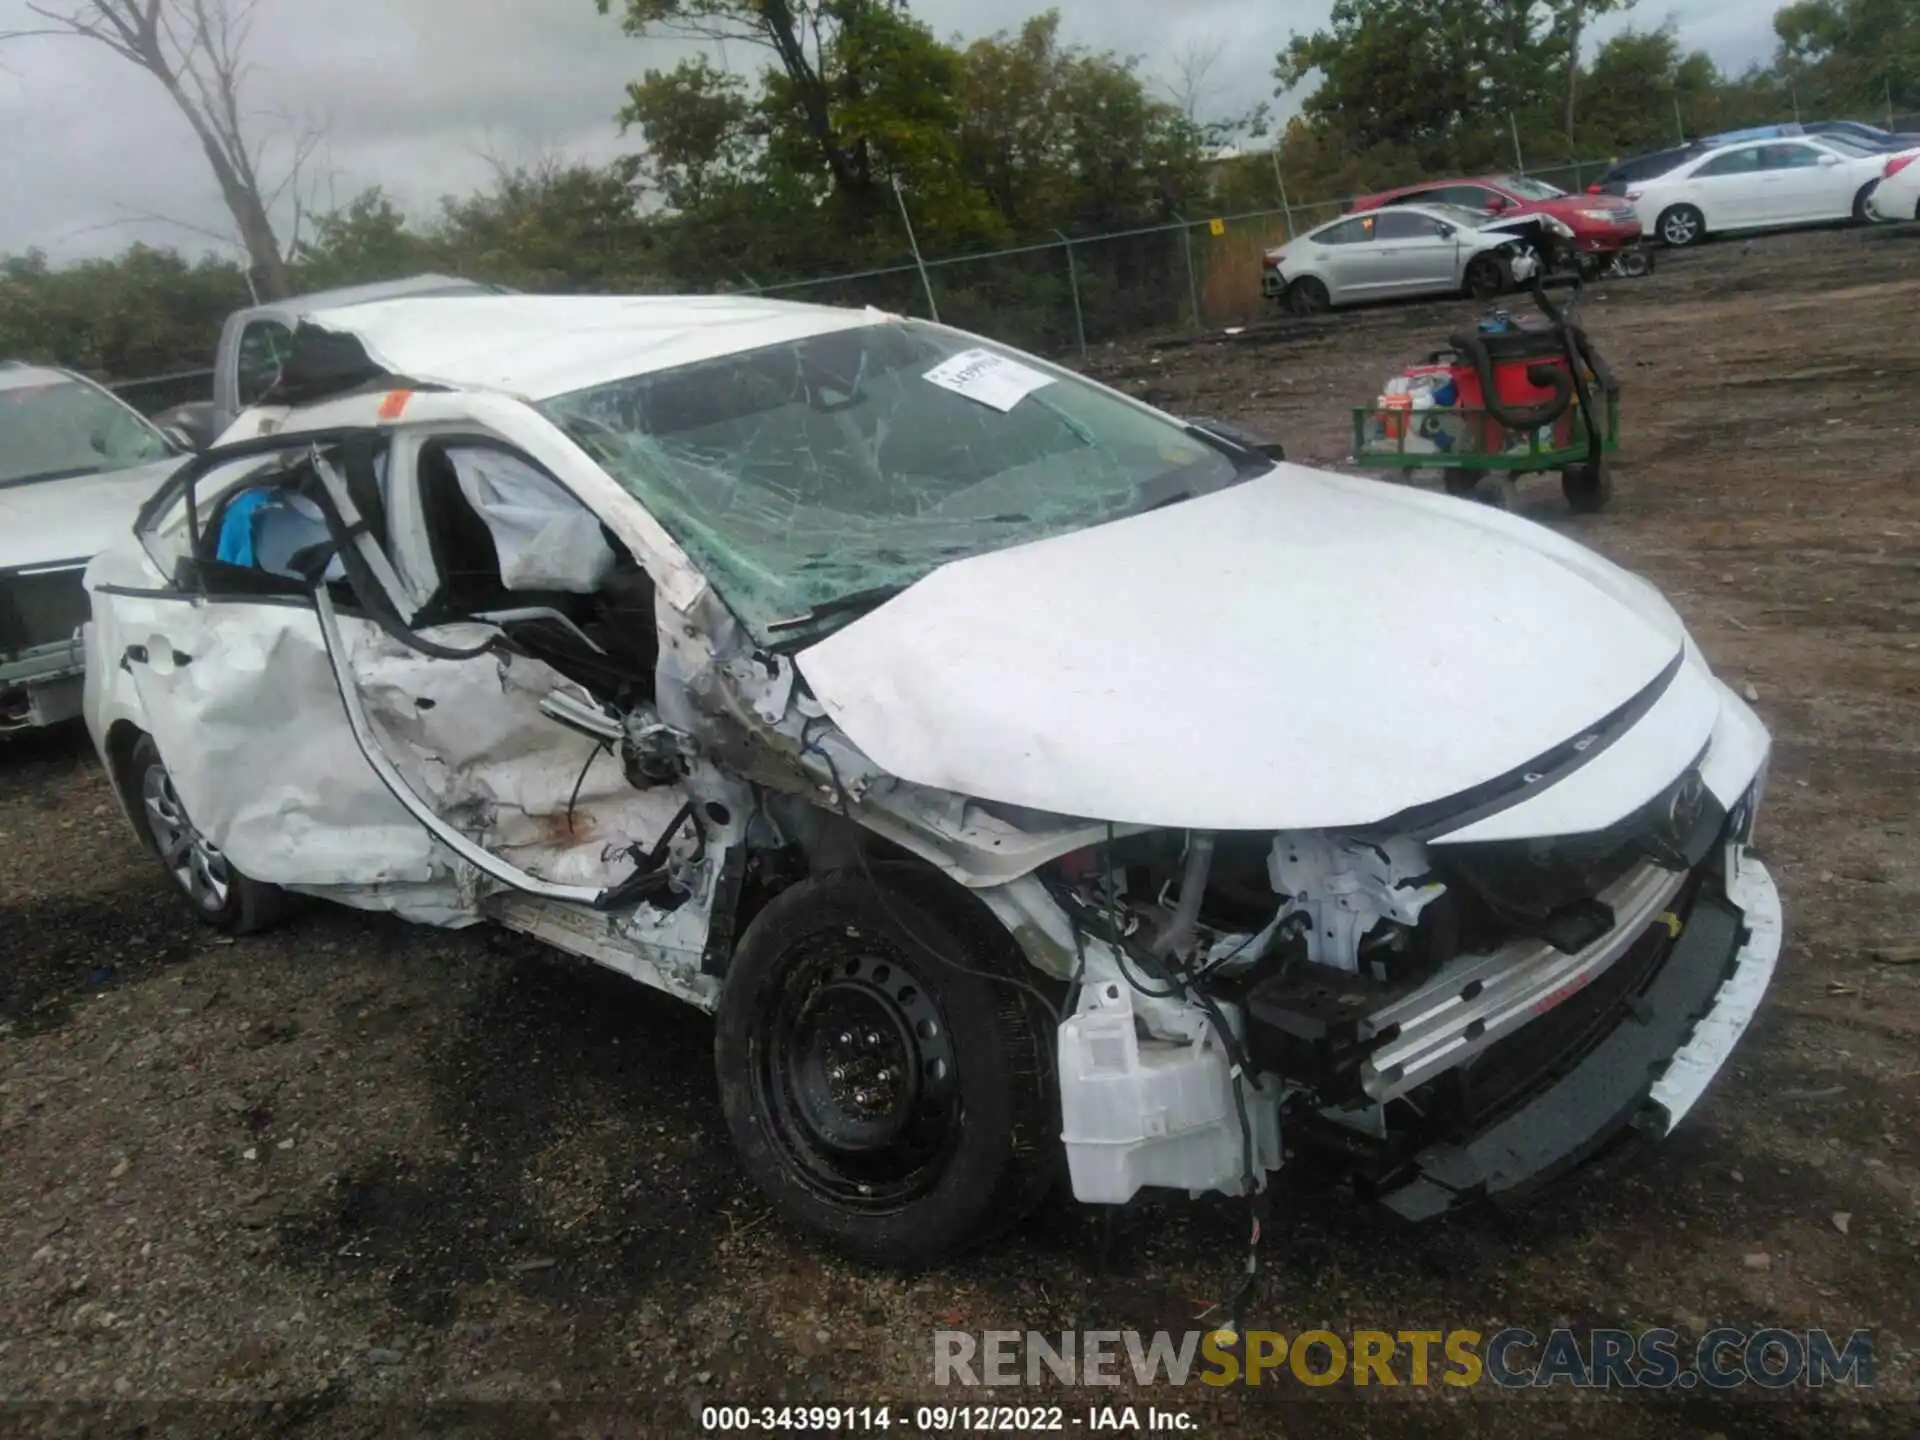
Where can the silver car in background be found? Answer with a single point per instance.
(76, 464)
(1406, 250)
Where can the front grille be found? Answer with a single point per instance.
(1514, 1070)
(41, 608)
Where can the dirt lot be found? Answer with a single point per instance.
(319, 1181)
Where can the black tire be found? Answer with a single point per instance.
(1486, 278)
(886, 1101)
(1308, 296)
(1462, 483)
(216, 893)
(1681, 226)
(1861, 215)
(1588, 487)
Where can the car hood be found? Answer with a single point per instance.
(75, 519)
(1568, 207)
(1304, 650)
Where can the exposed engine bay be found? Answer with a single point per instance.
(1383, 998)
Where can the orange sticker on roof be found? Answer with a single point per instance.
(393, 403)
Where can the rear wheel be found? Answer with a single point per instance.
(1681, 226)
(217, 893)
(1308, 296)
(884, 1084)
(1587, 487)
(1862, 215)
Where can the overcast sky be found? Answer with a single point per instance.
(418, 95)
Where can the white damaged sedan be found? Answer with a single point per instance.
(1013, 769)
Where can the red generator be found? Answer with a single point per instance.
(1532, 384)
(1505, 398)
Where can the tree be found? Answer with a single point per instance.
(365, 240)
(1639, 81)
(810, 68)
(1417, 73)
(1435, 81)
(196, 50)
(1191, 90)
(1193, 66)
(1059, 136)
(143, 313)
(797, 165)
(553, 227)
(1851, 54)
(697, 122)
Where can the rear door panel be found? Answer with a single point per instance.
(240, 700)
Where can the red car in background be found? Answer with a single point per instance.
(1601, 228)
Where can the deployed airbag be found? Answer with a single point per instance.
(546, 539)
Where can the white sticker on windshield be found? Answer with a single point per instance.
(989, 378)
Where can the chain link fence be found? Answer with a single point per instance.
(1067, 295)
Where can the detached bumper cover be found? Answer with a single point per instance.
(1651, 1069)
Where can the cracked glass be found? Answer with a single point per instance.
(812, 479)
(63, 429)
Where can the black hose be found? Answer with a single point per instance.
(1582, 357)
(1473, 346)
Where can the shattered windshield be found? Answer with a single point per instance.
(63, 429)
(812, 479)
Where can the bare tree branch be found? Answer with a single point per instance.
(225, 239)
(1193, 63)
(197, 50)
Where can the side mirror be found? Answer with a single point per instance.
(1447, 232)
(181, 439)
(1829, 161)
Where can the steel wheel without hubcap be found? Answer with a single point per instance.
(859, 1069)
(194, 862)
(886, 1087)
(1682, 226)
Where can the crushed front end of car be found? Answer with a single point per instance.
(1528, 952)
(1436, 1024)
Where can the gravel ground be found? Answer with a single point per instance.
(353, 1177)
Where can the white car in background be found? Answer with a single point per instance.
(75, 464)
(1405, 250)
(1897, 196)
(1760, 185)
